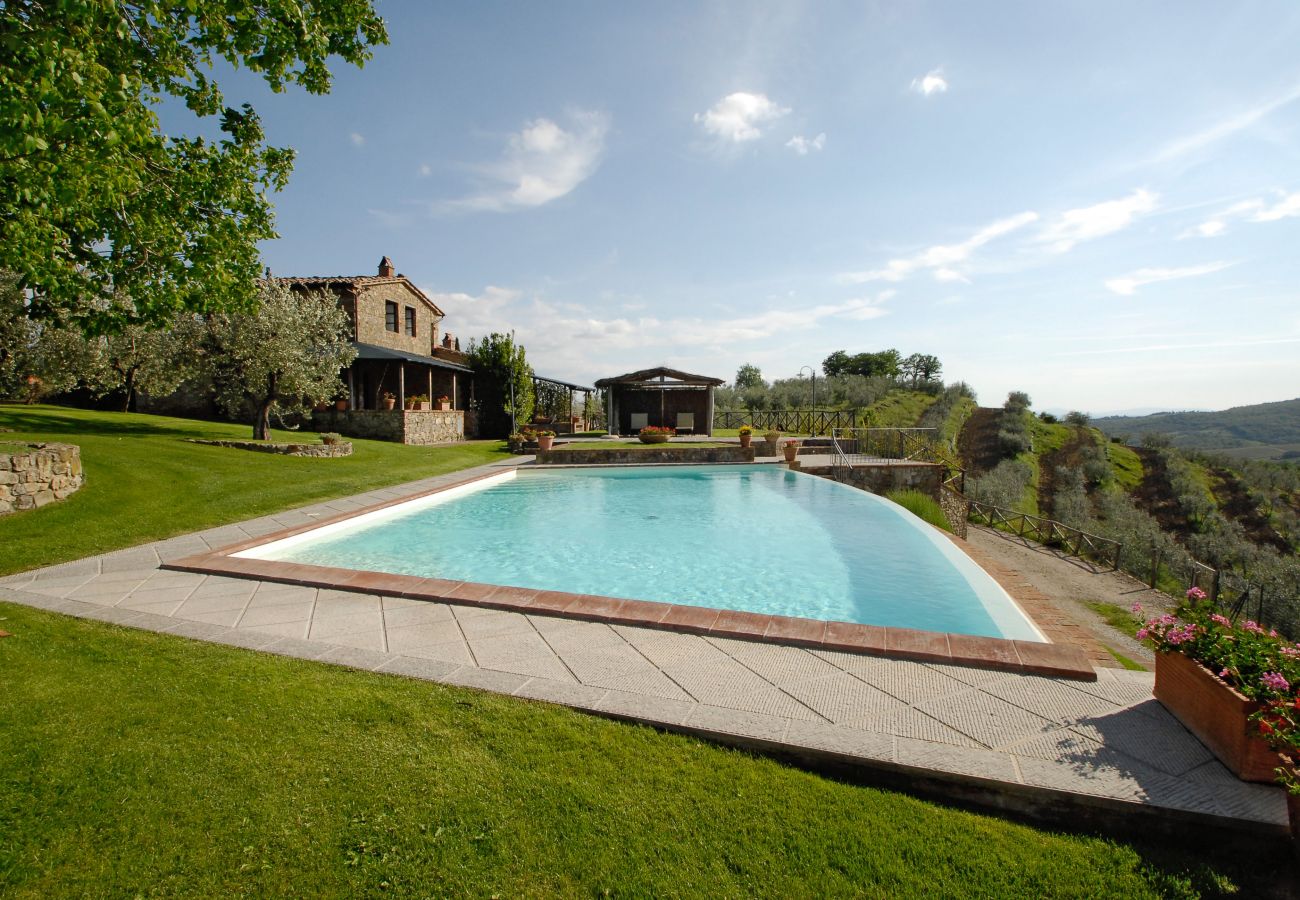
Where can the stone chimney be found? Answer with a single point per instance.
(386, 269)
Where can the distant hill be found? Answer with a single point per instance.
(1264, 430)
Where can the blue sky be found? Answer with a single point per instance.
(1097, 203)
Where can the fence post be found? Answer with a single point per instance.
(1214, 588)
(1155, 565)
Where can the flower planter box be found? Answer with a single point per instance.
(654, 438)
(1213, 711)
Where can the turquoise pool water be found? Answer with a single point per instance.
(755, 538)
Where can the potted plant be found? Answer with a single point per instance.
(341, 404)
(388, 399)
(515, 442)
(545, 439)
(530, 438)
(653, 434)
(1233, 686)
(330, 438)
(772, 437)
(791, 449)
(418, 402)
(746, 435)
(444, 402)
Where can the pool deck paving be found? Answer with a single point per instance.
(1101, 750)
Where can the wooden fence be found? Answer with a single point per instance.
(1050, 533)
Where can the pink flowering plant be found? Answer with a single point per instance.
(1258, 662)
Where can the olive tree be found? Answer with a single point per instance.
(95, 200)
(287, 354)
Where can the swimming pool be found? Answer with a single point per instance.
(756, 538)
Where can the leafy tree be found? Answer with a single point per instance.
(1017, 401)
(749, 376)
(498, 362)
(1074, 417)
(286, 354)
(836, 364)
(16, 336)
(921, 367)
(153, 360)
(95, 201)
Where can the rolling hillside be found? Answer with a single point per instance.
(1261, 431)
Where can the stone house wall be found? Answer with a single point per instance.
(367, 313)
(38, 474)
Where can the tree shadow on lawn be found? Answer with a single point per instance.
(29, 420)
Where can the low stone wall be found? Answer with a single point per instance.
(651, 455)
(324, 451)
(33, 475)
(406, 426)
(924, 477)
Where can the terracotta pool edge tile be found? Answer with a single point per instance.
(694, 619)
(1058, 660)
(929, 646)
(796, 631)
(639, 613)
(850, 637)
(987, 652)
(741, 624)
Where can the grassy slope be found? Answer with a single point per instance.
(898, 409)
(1126, 466)
(134, 763)
(956, 420)
(145, 483)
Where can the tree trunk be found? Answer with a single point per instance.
(262, 425)
(128, 389)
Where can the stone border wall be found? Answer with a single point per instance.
(600, 456)
(329, 451)
(407, 426)
(38, 475)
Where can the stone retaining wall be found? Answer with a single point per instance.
(406, 426)
(649, 456)
(883, 479)
(956, 509)
(330, 451)
(33, 475)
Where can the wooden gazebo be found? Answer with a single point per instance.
(661, 397)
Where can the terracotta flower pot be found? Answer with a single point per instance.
(1213, 711)
(340, 405)
(791, 450)
(745, 439)
(389, 402)
(545, 441)
(653, 438)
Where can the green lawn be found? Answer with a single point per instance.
(144, 482)
(139, 764)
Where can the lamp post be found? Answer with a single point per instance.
(813, 401)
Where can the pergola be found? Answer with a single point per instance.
(663, 397)
(565, 385)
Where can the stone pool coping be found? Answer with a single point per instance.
(1029, 657)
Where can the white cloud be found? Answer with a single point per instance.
(357, 139)
(1090, 222)
(943, 259)
(1128, 284)
(737, 117)
(543, 162)
(801, 145)
(425, 170)
(1285, 207)
(566, 339)
(931, 82)
(1224, 128)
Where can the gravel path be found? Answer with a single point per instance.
(1071, 582)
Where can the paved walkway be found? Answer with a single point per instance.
(1104, 744)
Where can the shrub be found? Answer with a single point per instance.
(922, 506)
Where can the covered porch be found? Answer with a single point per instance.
(378, 371)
